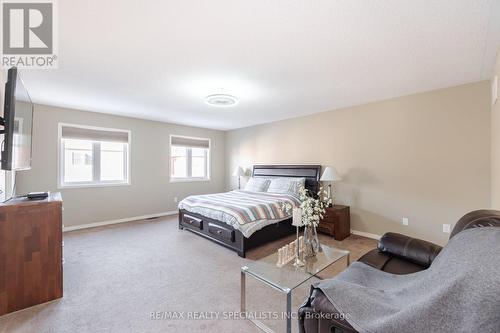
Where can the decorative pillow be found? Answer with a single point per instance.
(286, 185)
(257, 184)
(296, 184)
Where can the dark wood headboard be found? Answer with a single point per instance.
(311, 173)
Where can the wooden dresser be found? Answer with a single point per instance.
(30, 252)
(337, 222)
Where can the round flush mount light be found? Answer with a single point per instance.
(221, 100)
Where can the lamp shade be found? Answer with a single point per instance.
(330, 174)
(238, 172)
(297, 217)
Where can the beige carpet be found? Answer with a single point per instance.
(116, 276)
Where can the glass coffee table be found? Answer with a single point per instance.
(288, 277)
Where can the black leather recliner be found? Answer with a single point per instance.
(396, 254)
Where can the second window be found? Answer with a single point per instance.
(189, 158)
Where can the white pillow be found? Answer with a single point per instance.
(257, 184)
(286, 185)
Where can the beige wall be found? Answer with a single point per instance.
(495, 146)
(6, 177)
(150, 191)
(424, 156)
(2, 95)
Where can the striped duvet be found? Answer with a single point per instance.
(243, 210)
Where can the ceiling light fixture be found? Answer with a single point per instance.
(221, 100)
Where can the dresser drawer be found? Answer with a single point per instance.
(332, 215)
(221, 232)
(192, 222)
(326, 228)
(336, 222)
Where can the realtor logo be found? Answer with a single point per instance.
(28, 34)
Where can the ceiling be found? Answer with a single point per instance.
(282, 58)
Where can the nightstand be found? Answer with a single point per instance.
(337, 222)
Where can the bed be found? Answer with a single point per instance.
(218, 225)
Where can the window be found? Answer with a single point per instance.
(91, 156)
(189, 158)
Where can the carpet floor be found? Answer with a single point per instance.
(116, 276)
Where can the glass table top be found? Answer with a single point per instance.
(289, 277)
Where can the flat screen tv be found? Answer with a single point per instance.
(17, 122)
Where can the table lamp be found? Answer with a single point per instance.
(239, 173)
(297, 222)
(330, 175)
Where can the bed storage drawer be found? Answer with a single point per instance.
(221, 232)
(192, 222)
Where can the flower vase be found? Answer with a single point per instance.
(311, 241)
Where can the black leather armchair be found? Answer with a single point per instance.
(400, 254)
(396, 254)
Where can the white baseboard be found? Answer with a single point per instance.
(127, 219)
(365, 234)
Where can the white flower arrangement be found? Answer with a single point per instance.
(313, 209)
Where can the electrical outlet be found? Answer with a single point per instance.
(176, 199)
(446, 228)
(405, 221)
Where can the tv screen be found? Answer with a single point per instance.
(18, 124)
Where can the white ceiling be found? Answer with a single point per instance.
(282, 58)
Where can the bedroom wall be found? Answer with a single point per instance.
(6, 177)
(150, 191)
(2, 95)
(424, 156)
(495, 146)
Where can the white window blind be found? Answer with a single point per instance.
(180, 141)
(81, 133)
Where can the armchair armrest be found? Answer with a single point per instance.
(318, 315)
(412, 249)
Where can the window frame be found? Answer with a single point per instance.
(189, 161)
(95, 158)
